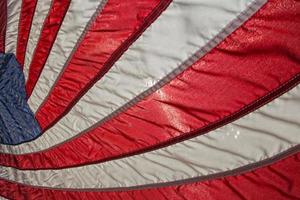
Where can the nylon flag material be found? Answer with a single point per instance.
(150, 99)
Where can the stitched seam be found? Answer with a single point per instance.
(232, 26)
(50, 48)
(79, 41)
(40, 35)
(235, 172)
(106, 66)
(212, 126)
(28, 33)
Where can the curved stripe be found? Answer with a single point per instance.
(40, 14)
(135, 130)
(269, 131)
(13, 15)
(3, 22)
(77, 19)
(91, 61)
(275, 181)
(47, 37)
(26, 15)
(130, 77)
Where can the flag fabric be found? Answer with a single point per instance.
(17, 122)
(150, 99)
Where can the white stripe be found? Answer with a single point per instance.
(271, 130)
(13, 15)
(41, 12)
(75, 21)
(177, 34)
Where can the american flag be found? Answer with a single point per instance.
(150, 99)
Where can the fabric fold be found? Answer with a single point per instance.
(17, 122)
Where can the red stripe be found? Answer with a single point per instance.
(92, 60)
(3, 21)
(278, 181)
(47, 37)
(220, 86)
(26, 16)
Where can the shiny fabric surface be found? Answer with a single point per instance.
(48, 35)
(12, 22)
(17, 122)
(40, 14)
(263, 134)
(150, 99)
(113, 34)
(275, 182)
(130, 78)
(26, 15)
(243, 79)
